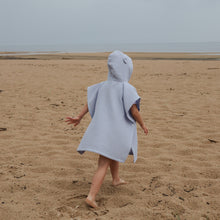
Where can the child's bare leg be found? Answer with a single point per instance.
(97, 180)
(114, 167)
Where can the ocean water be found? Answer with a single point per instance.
(203, 47)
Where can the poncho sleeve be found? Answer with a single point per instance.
(92, 94)
(130, 97)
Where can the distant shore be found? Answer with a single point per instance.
(103, 56)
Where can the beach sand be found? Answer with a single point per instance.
(177, 174)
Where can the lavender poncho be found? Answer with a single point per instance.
(112, 131)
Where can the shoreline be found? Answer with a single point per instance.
(104, 55)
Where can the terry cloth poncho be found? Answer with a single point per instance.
(112, 131)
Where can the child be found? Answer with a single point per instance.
(112, 133)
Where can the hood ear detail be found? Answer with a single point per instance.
(125, 61)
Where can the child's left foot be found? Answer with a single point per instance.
(91, 203)
(118, 182)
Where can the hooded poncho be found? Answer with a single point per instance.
(112, 131)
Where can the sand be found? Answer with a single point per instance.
(177, 174)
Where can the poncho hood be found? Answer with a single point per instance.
(120, 67)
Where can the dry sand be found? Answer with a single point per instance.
(177, 174)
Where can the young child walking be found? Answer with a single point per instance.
(112, 133)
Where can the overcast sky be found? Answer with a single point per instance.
(108, 21)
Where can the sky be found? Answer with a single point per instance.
(108, 21)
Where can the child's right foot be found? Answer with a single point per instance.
(118, 182)
(91, 203)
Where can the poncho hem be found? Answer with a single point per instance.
(100, 153)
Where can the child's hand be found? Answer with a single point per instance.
(145, 130)
(74, 121)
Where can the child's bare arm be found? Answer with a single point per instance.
(84, 111)
(77, 119)
(137, 116)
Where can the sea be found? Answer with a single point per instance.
(189, 47)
